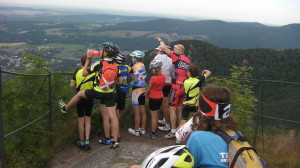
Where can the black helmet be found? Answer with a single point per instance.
(120, 58)
(110, 49)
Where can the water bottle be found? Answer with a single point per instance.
(94, 52)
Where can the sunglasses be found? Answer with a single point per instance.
(217, 110)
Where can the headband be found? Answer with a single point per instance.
(217, 110)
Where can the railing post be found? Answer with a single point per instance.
(261, 108)
(2, 150)
(50, 104)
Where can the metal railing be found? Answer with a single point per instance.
(50, 113)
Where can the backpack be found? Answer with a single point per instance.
(108, 75)
(240, 153)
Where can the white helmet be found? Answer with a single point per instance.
(137, 54)
(155, 64)
(171, 156)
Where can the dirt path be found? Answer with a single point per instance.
(132, 150)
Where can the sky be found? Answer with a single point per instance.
(269, 12)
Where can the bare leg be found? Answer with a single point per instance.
(154, 120)
(114, 122)
(87, 122)
(137, 117)
(80, 121)
(178, 113)
(143, 115)
(173, 117)
(75, 99)
(106, 121)
(165, 109)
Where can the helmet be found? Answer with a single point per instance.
(137, 54)
(110, 48)
(171, 156)
(120, 58)
(155, 64)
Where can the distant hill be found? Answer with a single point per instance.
(220, 33)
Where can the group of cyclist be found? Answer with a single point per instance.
(174, 87)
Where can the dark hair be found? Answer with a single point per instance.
(194, 70)
(83, 59)
(217, 94)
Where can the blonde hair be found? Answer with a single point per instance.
(181, 48)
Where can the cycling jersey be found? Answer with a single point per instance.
(209, 149)
(83, 83)
(192, 90)
(97, 70)
(180, 67)
(166, 67)
(139, 71)
(124, 73)
(157, 81)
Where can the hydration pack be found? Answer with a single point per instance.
(108, 75)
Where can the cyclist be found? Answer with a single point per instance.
(84, 106)
(166, 70)
(155, 94)
(138, 74)
(179, 72)
(106, 95)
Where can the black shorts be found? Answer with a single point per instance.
(84, 107)
(166, 90)
(121, 100)
(109, 99)
(187, 111)
(154, 104)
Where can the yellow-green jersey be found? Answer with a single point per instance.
(192, 88)
(83, 83)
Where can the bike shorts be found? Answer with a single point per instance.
(108, 99)
(121, 100)
(154, 104)
(138, 96)
(84, 107)
(176, 95)
(166, 90)
(187, 111)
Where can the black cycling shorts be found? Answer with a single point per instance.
(84, 107)
(121, 100)
(109, 99)
(166, 90)
(154, 104)
(187, 111)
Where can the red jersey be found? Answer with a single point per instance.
(181, 65)
(158, 82)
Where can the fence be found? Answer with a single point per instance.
(260, 114)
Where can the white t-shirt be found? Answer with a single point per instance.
(167, 66)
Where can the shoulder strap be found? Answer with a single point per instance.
(78, 87)
(224, 136)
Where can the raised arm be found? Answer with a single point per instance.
(163, 45)
(87, 64)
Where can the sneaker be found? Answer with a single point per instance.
(133, 132)
(170, 135)
(119, 139)
(80, 144)
(152, 135)
(105, 141)
(164, 128)
(61, 106)
(87, 145)
(162, 122)
(114, 145)
(177, 142)
(142, 131)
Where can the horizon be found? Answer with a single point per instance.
(271, 14)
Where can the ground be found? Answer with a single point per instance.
(132, 151)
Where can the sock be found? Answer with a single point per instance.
(64, 108)
(173, 131)
(81, 143)
(87, 142)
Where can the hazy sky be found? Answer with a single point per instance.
(274, 12)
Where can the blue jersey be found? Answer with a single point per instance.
(124, 73)
(209, 150)
(139, 71)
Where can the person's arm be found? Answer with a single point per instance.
(148, 90)
(85, 71)
(72, 83)
(163, 45)
(207, 73)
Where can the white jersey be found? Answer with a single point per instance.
(167, 66)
